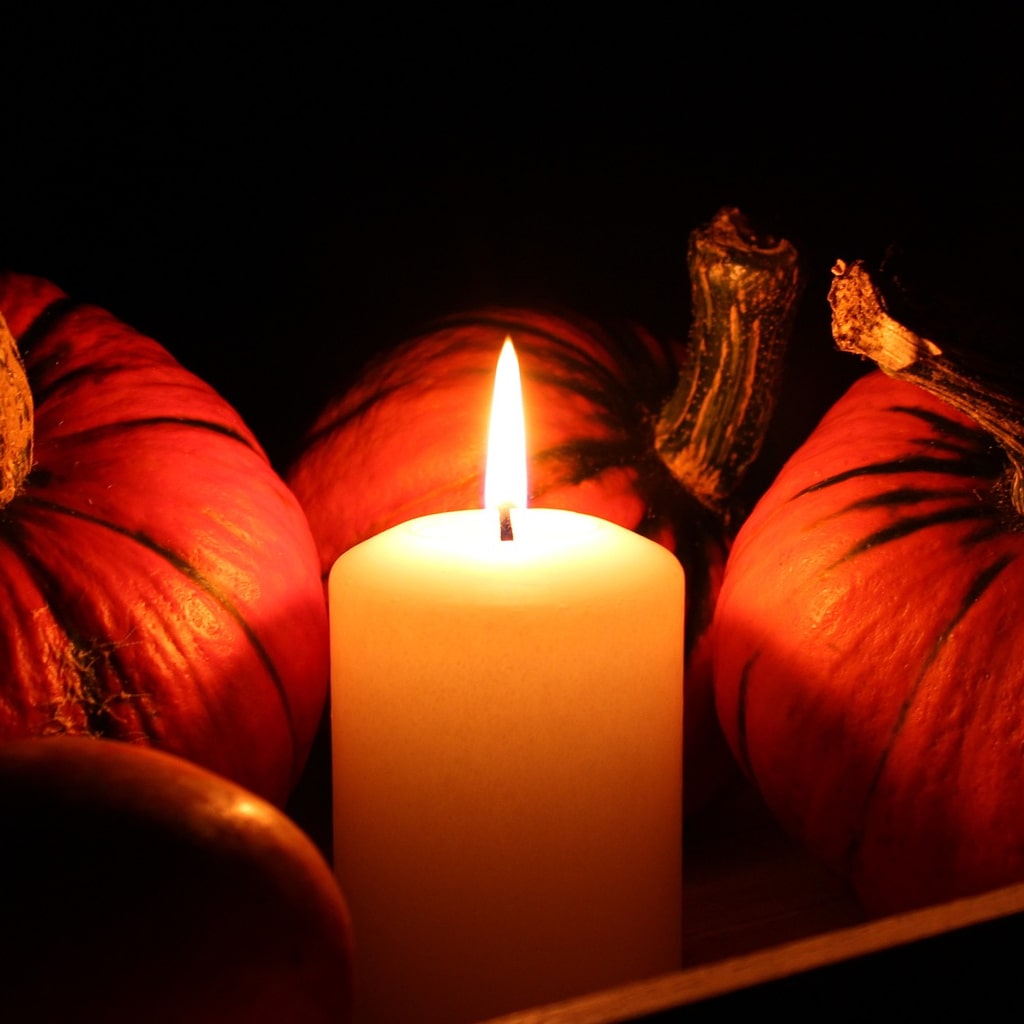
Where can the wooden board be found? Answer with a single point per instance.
(767, 928)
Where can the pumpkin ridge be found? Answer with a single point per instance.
(742, 737)
(382, 394)
(898, 496)
(142, 422)
(981, 582)
(629, 391)
(586, 458)
(985, 532)
(45, 321)
(518, 325)
(624, 379)
(582, 383)
(911, 524)
(942, 424)
(589, 378)
(92, 700)
(186, 569)
(522, 330)
(910, 464)
(314, 438)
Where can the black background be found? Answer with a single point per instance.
(275, 195)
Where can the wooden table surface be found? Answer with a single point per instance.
(768, 929)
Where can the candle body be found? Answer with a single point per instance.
(507, 762)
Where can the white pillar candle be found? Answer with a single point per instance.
(507, 761)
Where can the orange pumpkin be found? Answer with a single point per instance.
(868, 647)
(160, 583)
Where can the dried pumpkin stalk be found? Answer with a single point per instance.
(745, 291)
(15, 417)
(862, 325)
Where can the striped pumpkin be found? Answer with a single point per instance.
(161, 584)
(869, 653)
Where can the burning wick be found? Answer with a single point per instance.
(505, 518)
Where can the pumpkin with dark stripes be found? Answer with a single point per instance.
(408, 437)
(161, 585)
(869, 647)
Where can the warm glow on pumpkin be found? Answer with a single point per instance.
(505, 481)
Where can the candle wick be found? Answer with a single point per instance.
(505, 518)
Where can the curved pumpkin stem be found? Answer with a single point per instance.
(745, 291)
(16, 413)
(862, 325)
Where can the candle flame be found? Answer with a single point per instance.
(505, 481)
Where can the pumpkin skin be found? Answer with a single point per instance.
(160, 583)
(141, 887)
(408, 438)
(868, 653)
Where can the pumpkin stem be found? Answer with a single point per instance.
(744, 294)
(15, 417)
(862, 325)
